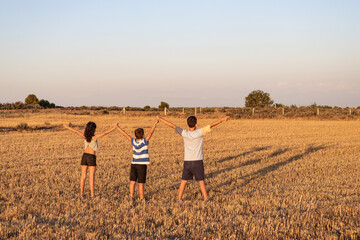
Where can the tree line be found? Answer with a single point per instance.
(255, 99)
(31, 102)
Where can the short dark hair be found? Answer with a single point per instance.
(139, 133)
(191, 121)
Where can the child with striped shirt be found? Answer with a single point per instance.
(140, 158)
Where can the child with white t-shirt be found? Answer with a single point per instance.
(193, 158)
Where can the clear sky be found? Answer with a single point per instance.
(187, 53)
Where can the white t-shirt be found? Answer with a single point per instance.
(193, 142)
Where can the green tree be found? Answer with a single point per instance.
(163, 105)
(44, 103)
(258, 98)
(31, 99)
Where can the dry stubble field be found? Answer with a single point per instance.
(265, 178)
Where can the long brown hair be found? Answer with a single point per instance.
(89, 131)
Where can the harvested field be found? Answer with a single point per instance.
(266, 179)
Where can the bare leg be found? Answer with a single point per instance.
(141, 190)
(182, 188)
(132, 188)
(203, 190)
(83, 178)
(92, 179)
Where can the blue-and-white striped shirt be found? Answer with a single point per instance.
(140, 151)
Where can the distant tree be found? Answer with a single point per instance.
(163, 105)
(258, 98)
(46, 104)
(31, 99)
(147, 107)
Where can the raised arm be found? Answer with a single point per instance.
(73, 130)
(170, 124)
(97, 136)
(219, 121)
(151, 131)
(123, 133)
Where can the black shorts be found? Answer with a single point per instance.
(88, 159)
(138, 172)
(193, 168)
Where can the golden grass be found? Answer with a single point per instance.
(265, 178)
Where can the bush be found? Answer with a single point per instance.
(46, 104)
(279, 105)
(22, 126)
(105, 112)
(147, 107)
(208, 110)
(19, 105)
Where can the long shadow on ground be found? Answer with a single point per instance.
(273, 167)
(241, 154)
(276, 166)
(251, 162)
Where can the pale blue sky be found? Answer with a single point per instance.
(187, 53)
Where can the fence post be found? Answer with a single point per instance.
(165, 111)
(283, 111)
(275, 106)
(317, 111)
(200, 109)
(350, 111)
(124, 110)
(195, 111)
(253, 111)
